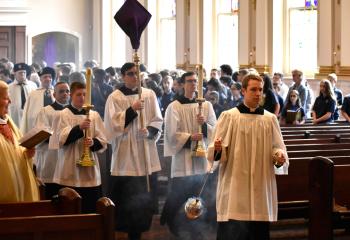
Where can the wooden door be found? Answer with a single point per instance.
(12, 43)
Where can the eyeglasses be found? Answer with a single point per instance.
(131, 74)
(63, 91)
(191, 80)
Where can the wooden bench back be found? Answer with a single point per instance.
(329, 185)
(68, 201)
(316, 131)
(317, 146)
(316, 140)
(293, 189)
(315, 127)
(98, 226)
(298, 135)
(314, 153)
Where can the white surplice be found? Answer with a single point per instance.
(34, 103)
(247, 184)
(67, 171)
(128, 158)
(45, 158)
(15, 110)
(180, 124)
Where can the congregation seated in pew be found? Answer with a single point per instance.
(325, 104)
(293, 112)
(345, 108)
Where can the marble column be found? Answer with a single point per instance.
(189, 33)
(325, 38)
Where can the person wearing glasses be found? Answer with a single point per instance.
(133, 147)
(292, 112)
(45, 158)
(181, 136)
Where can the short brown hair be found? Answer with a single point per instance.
(250, 76)
(77, 85)
(299, 72)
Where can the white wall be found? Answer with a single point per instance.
(79, 17)
(74, 17)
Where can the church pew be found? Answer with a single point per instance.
(314, 153)
(317, 146)
(314, 127)
(292, 189)
(68, 201)
(298, 135)
(312, 132)
(99, 226)
(310, 124)
(316, 141)
(329, 186)
(336, 122)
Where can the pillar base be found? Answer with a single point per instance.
(343, 72)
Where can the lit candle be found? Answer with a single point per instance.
(88, 87)
(200, 81)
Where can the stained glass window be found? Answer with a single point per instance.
(311, 3)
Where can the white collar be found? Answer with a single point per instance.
(76, 107)
(250, 109)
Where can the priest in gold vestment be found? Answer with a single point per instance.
(17, 178)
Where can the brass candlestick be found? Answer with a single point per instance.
(199, 150)
(87, 159)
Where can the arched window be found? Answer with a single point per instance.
(227, 32)
(303, 35)
(55, 47)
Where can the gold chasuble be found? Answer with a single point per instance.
(17, 179)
